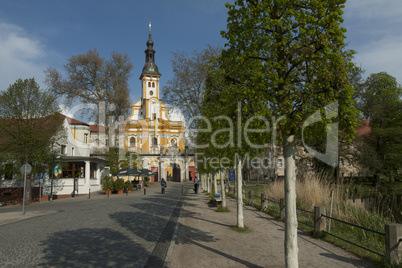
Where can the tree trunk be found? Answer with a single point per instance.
(223, 194)
(291, 249)
(215, 183)
(240, 223)
(208, 184)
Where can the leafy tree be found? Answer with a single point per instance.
(118, 159)
(92, 79)
(186, 88)
(287, 60)
(30, 126)
(381, 104)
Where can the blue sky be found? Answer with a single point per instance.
(35, 35)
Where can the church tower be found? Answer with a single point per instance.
(150, 82)
(149, 132)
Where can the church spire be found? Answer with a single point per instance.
(150, 66)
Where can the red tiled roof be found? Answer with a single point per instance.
(97, 128)
(364, 128)
(73, 121)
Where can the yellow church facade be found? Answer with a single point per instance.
(155, 133)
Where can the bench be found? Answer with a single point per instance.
(217, 198)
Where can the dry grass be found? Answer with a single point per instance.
(310, 192)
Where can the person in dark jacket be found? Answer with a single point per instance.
(196, 184)
(163, 185)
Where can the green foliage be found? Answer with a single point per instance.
(145, 181)
(128, 185)
(30, 126)
(240, 230)
(381, 103)
(113, 159)
(107, 183)
(29, 123)
(116, 163)
(222, 209)
(118, 184)
(276, 63)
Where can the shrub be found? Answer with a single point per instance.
(128, 185)
(107, 183)
(118, 184)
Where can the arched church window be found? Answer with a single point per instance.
(153, 84)
(149, 84)
(154, 142)
(132, 142)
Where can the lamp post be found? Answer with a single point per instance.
(51, 180)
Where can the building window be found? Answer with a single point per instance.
(154, 116)
(149, 84)
(153, 84)
(86, 135)
(63, 149)
(132, 142)
(154, 142)
(93, 169)
(74, 170)
(151, 93)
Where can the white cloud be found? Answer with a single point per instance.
(383, 54)
(20, 56)
(384, 10)
(374, 33)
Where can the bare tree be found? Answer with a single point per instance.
(185, 90)
(93, 80)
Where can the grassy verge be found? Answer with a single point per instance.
(240, 230)
(314, 192)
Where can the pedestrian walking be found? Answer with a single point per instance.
(196, 184)
(163, 185)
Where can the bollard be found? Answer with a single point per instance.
(145, 190)
(393, 243)
(282, 213)
(250, 198)
(126, 192)
(108, 192)
(89, 195)
(320, 223)
(264, 202)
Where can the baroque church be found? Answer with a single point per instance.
(153, 132)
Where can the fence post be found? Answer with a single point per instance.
(264, 202)
(282, 208)
(393, 243)
(250, 197)
(320, 223)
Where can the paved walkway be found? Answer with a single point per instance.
(204, 239)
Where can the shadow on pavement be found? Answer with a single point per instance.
(92, 248)
(144, 225)
(356, 263)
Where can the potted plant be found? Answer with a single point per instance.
(128, 185)
(107, 184)
(145, 181)
(118, 185)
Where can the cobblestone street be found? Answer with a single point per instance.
(120, 231)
